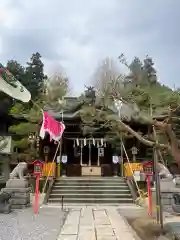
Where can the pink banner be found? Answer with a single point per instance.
(51, 126)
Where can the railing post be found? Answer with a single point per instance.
(62, 202)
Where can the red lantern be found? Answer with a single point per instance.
(148, 168)
(38, 167)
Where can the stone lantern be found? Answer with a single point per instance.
(134, 153)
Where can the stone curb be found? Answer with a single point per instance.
(169, 228)
(66, 213)
(129, 226)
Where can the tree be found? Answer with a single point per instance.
(17, 70)
(164, 102)
(135, 77)
(29, 117)
(5, 103)
(35, 75)
(156, 105)
(56, 87)
(140, 73)
(28, 120)
(107, 79)
(149, 70)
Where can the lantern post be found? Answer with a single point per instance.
(148, 171)
(38, 166)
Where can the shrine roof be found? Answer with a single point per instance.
(75, 115)
(62, 114)
(71, 111)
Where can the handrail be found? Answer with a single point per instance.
(132, 189)
(51, 183)
(51, 166)
(138, 189)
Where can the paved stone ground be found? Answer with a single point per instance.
(24, 225)
(172, 225)
(96, 223)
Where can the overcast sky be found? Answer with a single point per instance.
(78, 34)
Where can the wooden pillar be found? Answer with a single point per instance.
(134, 158)
(98, 160)
(46, 153)
(81, 160)
(58, 172)
(122, 160)
(89, 154)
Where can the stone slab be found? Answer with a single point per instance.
(17, 183)
(18, 194)
(121, 229)
(67, 237)
(106, 238)
(172, 225)
(72, 223)
(17, 190)
(89, 235)
(19, 201)
(96, 223)
(20, 206)
(5, 208)
(88, 227)
(104, 230)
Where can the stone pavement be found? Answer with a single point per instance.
(24, 225)
(96, 223)
(172, 225)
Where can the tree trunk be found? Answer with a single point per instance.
(140, 138)
(172, 147)
(174, 143)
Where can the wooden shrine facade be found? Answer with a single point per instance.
(84, 155)
(80, 155)
(87, 154)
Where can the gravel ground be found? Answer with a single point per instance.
(24, 225)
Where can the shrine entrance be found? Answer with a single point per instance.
(88, 157)
(90, 165)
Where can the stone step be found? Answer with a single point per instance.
(91, 200)
(94, 195)
(90, 184)
(92, 191)
(89, 190)
(98, 188)
(100, 180)
(80, 205)
(91, 178)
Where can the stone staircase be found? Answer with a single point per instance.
(90, 190)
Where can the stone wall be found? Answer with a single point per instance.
(166, 200)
